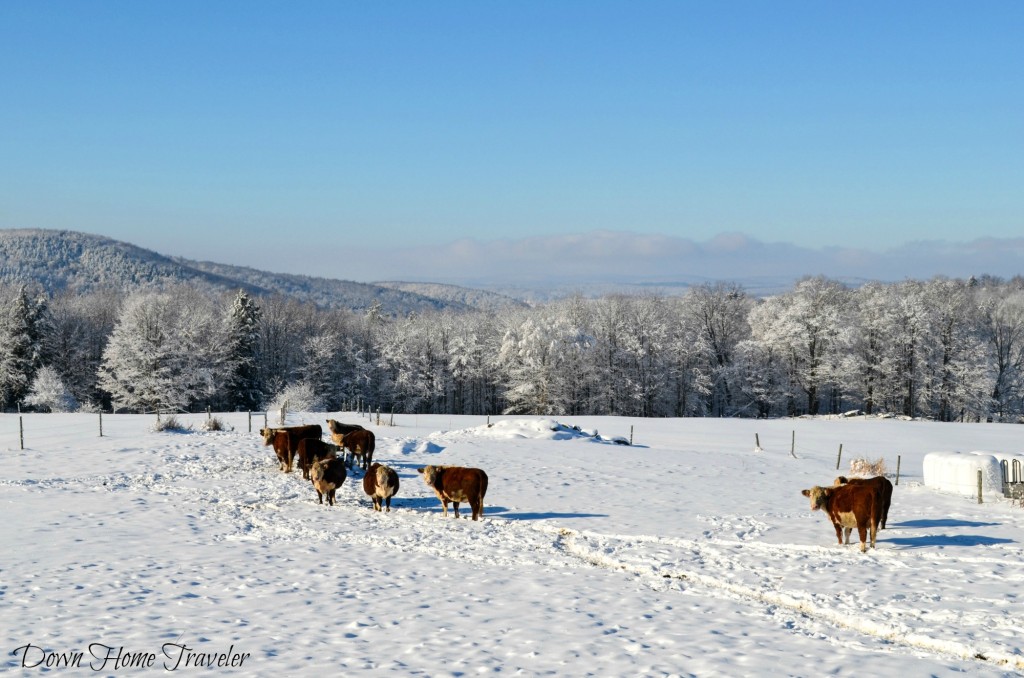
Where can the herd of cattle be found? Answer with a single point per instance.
(320, 463)
(854, 502)
(861, 503)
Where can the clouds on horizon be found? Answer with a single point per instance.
(621, 257)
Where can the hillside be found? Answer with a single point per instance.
(467, 296)
(80, 263)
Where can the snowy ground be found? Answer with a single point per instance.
(689, 553)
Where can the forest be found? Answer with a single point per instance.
(942, 349)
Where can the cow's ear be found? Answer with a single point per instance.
(419, 470)
(806, 493)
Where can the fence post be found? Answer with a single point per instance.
(897, 469)
(792, 446)
(250, 420)
(840, 456)
(209, 413)
(979, 485)
(21, 431)
(101, 423)
(631, 435)
(264, 419)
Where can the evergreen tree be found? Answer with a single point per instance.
(245, 388)
(21, 349)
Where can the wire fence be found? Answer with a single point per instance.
(20, 431)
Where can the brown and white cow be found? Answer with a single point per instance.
(311, 450)
(849, 506)
(279, 439)
(295, 434)
(457, 484)
(327, 475)
(381, 483)
(884, 486)
(361, 444)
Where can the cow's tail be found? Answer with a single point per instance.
(876, 515)
(483, 491)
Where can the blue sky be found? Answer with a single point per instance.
(276, 134)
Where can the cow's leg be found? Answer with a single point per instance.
(862, 532)
(444, 503)
(320, 496)
(477, 509)
(388, 500)
(456, 504)
(848, 530)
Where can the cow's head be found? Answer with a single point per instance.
(429, 474)
(818, 496)
(317, 470)
(268, 435)
(841, 480)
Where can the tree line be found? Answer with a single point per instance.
(946, 349)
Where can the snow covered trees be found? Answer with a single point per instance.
(944, 349)
(803, 328)
(49, 393)
(168, 352)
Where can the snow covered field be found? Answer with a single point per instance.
(689, 553)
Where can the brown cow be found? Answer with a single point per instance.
(884, 489)
(311, 450)
(361, 444)
(295, 434)
(327, 475)
(849, 506)
(279, 439)
(338, 431)
(381, 483)
(457, 484)
(337, 428)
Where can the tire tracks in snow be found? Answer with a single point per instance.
(624, 553)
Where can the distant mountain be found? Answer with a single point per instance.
(81, 262)
(466, 296)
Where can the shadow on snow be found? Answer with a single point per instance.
(946, 540)
(941, 522)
